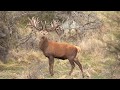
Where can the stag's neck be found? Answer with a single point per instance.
(44, 44)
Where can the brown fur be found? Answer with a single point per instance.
(59, 50)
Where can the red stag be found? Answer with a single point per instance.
(59, 50)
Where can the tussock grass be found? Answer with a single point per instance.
(32, 64)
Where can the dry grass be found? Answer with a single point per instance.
(32, 64)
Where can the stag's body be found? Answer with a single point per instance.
(59, 50)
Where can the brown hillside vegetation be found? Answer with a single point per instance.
(95, 34)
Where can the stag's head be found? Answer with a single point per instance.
(43, 34)
(42, 39)
(37, 26)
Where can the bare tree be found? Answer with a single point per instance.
(88, 22)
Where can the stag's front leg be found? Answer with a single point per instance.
(51, 64)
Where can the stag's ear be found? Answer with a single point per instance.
(43, 37)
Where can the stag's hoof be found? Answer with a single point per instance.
(83, 76)
(52, 74)
(70, 73)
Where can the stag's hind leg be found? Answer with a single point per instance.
(80, 66)
(72, 66)
(51, 64)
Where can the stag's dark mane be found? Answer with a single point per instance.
(43, 43)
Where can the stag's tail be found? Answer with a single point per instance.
(78, 49)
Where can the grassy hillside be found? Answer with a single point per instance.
(98, 55)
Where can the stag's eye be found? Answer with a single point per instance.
(43, 37)
(43, 33)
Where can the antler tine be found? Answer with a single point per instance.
(45, 25)
(41, 24)
(33, 18)
(28, 24)
(28, 18)
(51, 24)
(45, 22)
(37, 21)
(31, 21)
(34, 23)
(55, 23)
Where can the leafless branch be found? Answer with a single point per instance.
(24, 40)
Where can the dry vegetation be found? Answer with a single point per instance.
(99, 49)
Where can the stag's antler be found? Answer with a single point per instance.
(56, 27)
(34, 23)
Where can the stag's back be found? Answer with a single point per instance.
(61, 49)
